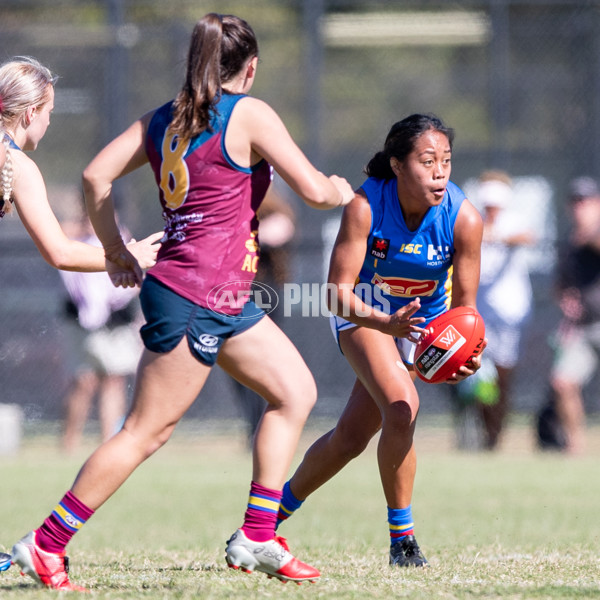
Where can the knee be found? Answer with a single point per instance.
(311, 394)
(159, 440)
(148, 441)
(400, 417)
(304, 397)
(86, 382)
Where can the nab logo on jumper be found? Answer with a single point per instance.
(380, 247)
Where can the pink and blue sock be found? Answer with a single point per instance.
(261, 514)
(401, 523)
(289, 504)
(67, 518)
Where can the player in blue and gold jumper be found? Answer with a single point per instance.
(408, 249)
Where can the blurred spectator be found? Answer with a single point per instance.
(104, 345)
(577, 340)
(276, 232)
(504, 300)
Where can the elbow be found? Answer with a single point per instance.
(61, 256)
(337, 299)
(318, 202)
(87, 180)
(320, 196)
(59, 260)
(92, 181)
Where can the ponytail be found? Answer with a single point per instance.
(202, 80)
(6, 178)
(379, 166)
(6, 173)
(220, 47)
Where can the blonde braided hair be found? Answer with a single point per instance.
(6, 179)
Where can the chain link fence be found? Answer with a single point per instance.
(518, 80)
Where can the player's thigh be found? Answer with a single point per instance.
(379, 366)
(264, 359)
(166, 386)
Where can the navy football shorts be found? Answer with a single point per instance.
(169, 317)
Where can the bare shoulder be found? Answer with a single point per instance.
(359, 207)
(252, 104)
(468, 218)
(255, 112)
(19, 158)
(144, 120)
(24, 169)
(357, 214)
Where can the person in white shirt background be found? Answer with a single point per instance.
(103, 344)
(505, 294)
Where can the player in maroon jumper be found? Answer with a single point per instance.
(210, 150)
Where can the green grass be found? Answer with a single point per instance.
(517, 524)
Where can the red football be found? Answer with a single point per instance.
(450, 342)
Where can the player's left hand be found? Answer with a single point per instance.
(123, 268)
(469, 369)
(402, 323)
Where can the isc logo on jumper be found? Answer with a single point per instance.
(411, 248)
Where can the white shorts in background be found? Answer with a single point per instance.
(406, 348)
(114, 351)
(578, 349)
(504, 343)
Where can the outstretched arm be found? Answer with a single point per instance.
(31, 202)
(255, 125)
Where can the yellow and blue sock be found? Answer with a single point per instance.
(288, 505)
(67, 518)
(401, 523)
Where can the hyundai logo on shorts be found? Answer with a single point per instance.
(208, 340)
(232, 295)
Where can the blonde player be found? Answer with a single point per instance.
(27, 93)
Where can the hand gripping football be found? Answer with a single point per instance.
(452, 339)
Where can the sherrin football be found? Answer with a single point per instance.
(450, 342)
